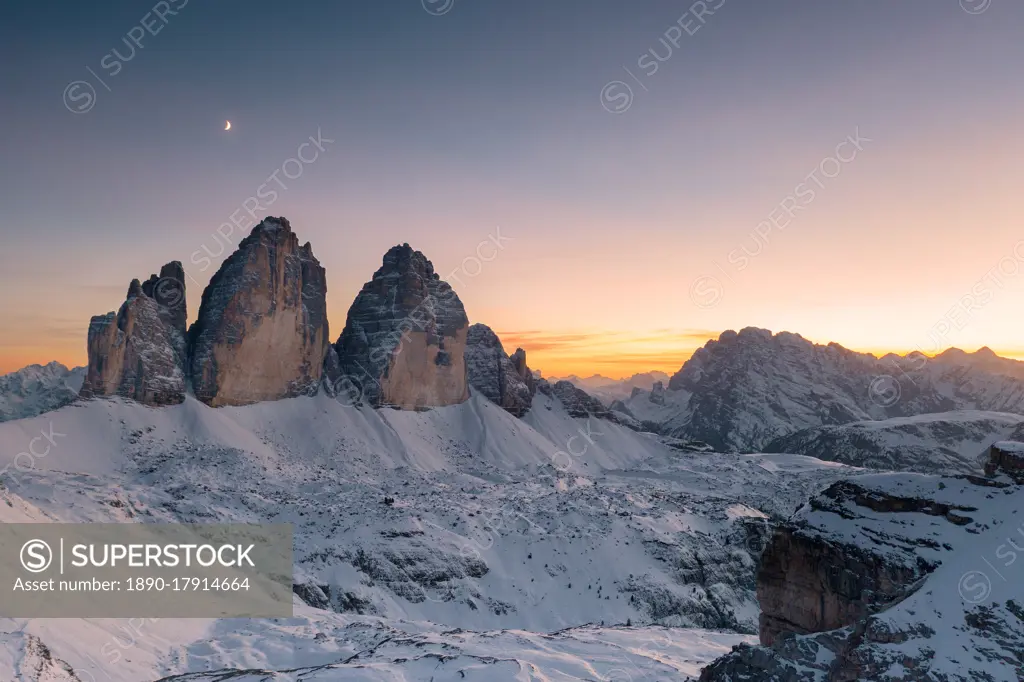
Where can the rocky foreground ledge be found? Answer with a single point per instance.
(894, 577)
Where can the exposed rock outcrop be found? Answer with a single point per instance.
(657, 393)
(139, 351)
(887, 576)
(525, 373)
(809, 585)
(261, 332)
(505, 381)
(579, 403)
(1006, 457)
(404, 340)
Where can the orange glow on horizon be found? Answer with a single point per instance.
(616, 355)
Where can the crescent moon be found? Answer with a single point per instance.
(227, 125)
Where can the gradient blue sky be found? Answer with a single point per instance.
(448, 128)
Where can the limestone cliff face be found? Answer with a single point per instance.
(404, 340)
(856, 584)
(261, 333)
(139, 351)
(806, 584)
(505, 381)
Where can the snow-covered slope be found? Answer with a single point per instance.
(919, 571)
(497, 524)
(36, 389)
(748, 388)
(943, 442)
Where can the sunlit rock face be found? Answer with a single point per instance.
(139, 352)
(262, 331)
(504, 380)
(404, 340)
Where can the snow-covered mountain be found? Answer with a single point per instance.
(457, 517)
(748, 388)
(942, 442)
(36, 389)
(498, 524)
(893, 577)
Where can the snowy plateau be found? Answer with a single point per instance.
(461, 542)
(496, 560)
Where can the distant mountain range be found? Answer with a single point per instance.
(36, 389)
(748, 388)
(609, 390)
(448, 503)
(747, 391)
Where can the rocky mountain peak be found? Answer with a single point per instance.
(262, 331)
(504, 380)
(403, 259)
(139, 352)
(168, 290)
(405, 337)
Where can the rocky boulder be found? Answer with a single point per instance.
(1006, 457)
(890, 576)
(139, 351)
(579, 403)
(404, 341)
(657, 393)
(518, 360)
(261, 333)
(505, 381)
